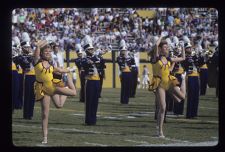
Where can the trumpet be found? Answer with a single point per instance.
(207, 52)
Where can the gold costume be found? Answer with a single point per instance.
(45, 83)
(162, 76)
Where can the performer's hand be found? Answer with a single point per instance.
(90, 62)
(41, 43)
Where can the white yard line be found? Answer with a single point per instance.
(95, 144)
(209, 108)
(68, 129)
(140, 142)
(189, 144)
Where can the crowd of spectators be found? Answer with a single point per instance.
(106, 26)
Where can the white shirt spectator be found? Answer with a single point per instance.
(159, 22)
(124, 33)
(16, 40)
(126, 19)
(94, 11)
(55, 24)
(146, 22)
(186, 39)
(14, 17)
(25, 37)
(50, 11)
(88, 22)
(109, 18)
(175, 40)
(76, 14)
(117, 33)
(101, 18)
(136, 25)
(43, 21)
(137, 58)
(108, 10)
(58, 59)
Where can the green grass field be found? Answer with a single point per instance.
(119, 125)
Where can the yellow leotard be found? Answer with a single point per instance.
(161, 75)
(44, 81)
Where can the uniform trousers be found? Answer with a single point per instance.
(29, 97)
(82, 86)
(203, 81)
(15, 90)
(91, 101)
(192, 96)
(20, 92)
(134, 78)
(125, 87)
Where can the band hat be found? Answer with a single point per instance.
(187, 45)
(123, 48)
(78, 48)
(87, 43)
(88, 46)
(26, 44)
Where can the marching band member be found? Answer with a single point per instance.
(90, 64)
(191, 66)
(203, 69)
(25, 60)
(178, 70)
(163, 81)
(213, 64)
(19, 101)
(78, 62)
(124, 62)
(15, 80)
(134, 74)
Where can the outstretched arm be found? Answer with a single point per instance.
(39, 44)
(156, 47)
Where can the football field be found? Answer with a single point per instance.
(119, 125)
